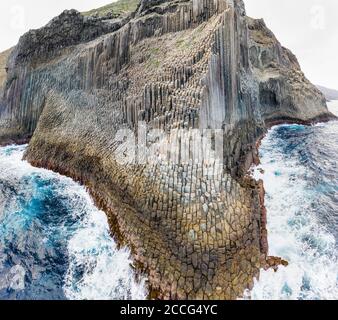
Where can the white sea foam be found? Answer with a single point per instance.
(97, 268)
(295, 233)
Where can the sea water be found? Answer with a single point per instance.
(299, 167)
(54, 243)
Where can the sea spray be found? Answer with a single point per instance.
(300, 178)
(54, 243)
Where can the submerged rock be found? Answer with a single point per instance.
(198, 229)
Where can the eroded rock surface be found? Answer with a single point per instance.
(3, 72)
(197, 229)
(284, 92)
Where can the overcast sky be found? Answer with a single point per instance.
(308, 27)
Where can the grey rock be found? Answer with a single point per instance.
(74, 83)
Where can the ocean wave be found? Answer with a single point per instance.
(301, 212)
(60, 242)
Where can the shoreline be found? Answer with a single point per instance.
(18, 142)
(272, 262)
(198, 231)
(116, 226)
(288, 176)
(123, 217)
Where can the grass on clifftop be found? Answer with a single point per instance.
(116, 8)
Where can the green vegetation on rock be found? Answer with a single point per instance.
(117, 8)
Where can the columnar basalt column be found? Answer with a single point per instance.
(196, 228)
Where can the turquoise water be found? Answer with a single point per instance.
(54, 243)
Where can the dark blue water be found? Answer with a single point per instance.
(54, 243)
(300, 174)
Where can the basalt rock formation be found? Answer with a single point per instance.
(197, 229)
(284, 92)
(3, 73)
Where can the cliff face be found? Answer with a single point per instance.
(3, 61)
(197, 228)
(284, 92)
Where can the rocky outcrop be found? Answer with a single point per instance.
(197, 228)
(284, 92)
(3, 72)
(68, 29)
(330, 94)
